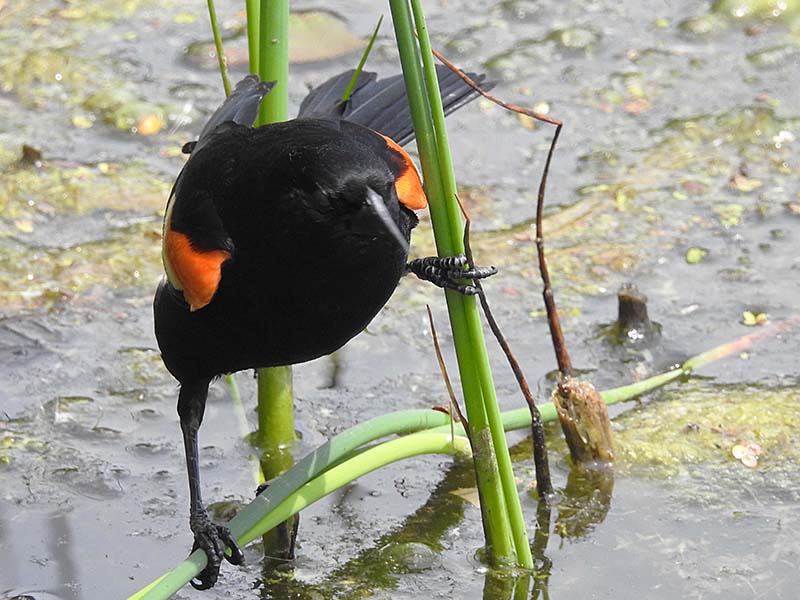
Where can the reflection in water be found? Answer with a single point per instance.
(407, 549)
(9, 566)
(412, 547)
(585, 502)
(542, 563)
(511, 585)
(61, 548)
(336, 368)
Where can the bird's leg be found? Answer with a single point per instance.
(446, 271)
(208, 536)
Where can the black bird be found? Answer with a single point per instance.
(282, 242)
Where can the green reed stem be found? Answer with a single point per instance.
(269, 41)
(223, 66)
(253, 26)
(361, 62)
(439, 186)
(273, 59)
(456, 228)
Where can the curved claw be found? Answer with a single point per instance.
(213, 539)
(236, 557)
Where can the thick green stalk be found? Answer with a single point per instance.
(275, 402)
(273, 59)
(498, 532)
(274, 426)
(275, 420)
(223, 67)
(253, 24)
(478, 343)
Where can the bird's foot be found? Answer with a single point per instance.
(212, 539)
(445, 271)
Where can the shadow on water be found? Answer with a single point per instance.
(414, 546)
(60, 541)
(61, 536)
(410, 548)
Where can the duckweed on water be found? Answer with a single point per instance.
(783, 10)
(128, 257)
(695, 255)
(698, 425)
(66, 229)
(724, 13)
(574, 38)
(571, 40)
(44, 73)
(124, 109)
(41, 42)
(38, 194)
(730, 215)
(713, 148)
(48, 59)
(775, 57)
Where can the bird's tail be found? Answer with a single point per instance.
(382, 105)
(379, 105)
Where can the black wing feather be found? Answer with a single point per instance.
(240, 107)
(382, 105)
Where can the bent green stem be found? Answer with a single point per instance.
(337, 450)
(245, 528)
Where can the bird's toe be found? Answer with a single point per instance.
(213, 539)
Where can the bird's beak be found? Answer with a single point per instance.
(375, 202)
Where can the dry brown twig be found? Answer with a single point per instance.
(559, 346)
(581, 412)
(459, 416)
(543, 481)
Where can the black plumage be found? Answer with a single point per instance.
(282, 242)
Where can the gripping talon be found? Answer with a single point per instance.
(446, 271)
(213, 539)
(236, 556)
(474, 273)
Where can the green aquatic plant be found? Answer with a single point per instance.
(344, 458)
(503, 522)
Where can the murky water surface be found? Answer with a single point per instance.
(677, 170)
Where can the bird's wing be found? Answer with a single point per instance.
(382, 105)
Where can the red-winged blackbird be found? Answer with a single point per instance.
(282, 242)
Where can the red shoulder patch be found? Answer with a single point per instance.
(197, 272)
(408, 184)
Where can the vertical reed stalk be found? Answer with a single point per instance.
(253, 26)
(268, 39)
(223, 67)
(505, 534)
(273, 59)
